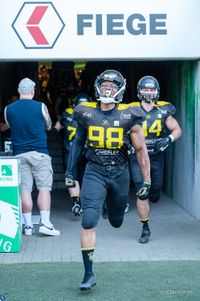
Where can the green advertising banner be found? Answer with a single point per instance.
(10, 205)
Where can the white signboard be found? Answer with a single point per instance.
(114, 29)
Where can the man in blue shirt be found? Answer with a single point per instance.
(28, 121)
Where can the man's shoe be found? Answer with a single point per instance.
(76, 209)
(144, 238)
(87, 283)
(48, 230)
(2, 297)
(28, 231)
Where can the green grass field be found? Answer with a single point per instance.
(121, 281)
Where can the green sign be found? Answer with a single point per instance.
(10, 206)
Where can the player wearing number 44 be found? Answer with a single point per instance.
(160, 130)
(105, 127)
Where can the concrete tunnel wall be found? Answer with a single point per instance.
(182, 177)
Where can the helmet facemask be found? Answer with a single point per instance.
(108, 95)
(151, 85)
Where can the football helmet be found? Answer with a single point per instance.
(112, 76)
(148, 82)
(81, 97)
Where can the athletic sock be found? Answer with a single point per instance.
(75, 199)
(144, 222)
(28, 219)
(87, 254)
(45, 217)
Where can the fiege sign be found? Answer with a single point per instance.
(86, 30)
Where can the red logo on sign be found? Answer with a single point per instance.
(43, 27)
(32, 23)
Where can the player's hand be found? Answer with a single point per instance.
(143, 192)
(162, 144)
(69, 181)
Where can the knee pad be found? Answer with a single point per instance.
(116, 220)
(154, 195)
(90, 218)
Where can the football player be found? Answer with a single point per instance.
(106, 127)
(160, 130)
(69, 125)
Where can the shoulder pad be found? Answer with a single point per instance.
(137, 111)
(89, 104)
(137, 104)
(69, 111)
(82, 108)
(122, 106)
(166, 106)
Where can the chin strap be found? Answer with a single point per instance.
(107, 100)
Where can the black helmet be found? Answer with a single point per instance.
(112, 76)
(81, 97)
(151, 83)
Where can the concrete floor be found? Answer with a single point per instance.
(175, 236)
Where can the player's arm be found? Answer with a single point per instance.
(75, 154)
(175, 133)
(173, 127)
(138, 141)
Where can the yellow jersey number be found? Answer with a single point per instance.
(72, 132)
(155, 128)
(111, 138)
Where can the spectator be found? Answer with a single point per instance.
(28, 121)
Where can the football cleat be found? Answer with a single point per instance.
(76, 209)
(144, 238)
(87, 283)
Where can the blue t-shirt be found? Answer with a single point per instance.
(27, 124)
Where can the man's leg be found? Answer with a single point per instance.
(143, 212)
(27, 207)
(88, 242)
(75, 198)
(93, 194)
(44, 205)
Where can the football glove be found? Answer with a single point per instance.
(162, 144)
(69, 181)
(143, 192)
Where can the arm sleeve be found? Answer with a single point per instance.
(76, 149)
(46, 116)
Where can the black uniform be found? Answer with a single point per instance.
(106, 135)
(70, 126)
(154, 128)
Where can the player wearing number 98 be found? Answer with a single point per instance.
(106, 127)
(160, 130)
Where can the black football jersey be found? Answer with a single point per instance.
(107, 132)
(154, 126)
(69, 125)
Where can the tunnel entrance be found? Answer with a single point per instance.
(179, 84)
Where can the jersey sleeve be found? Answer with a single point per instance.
(171, 109)
(138, 114)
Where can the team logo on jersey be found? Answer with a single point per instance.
(163, 111)
(87, 114)
(148, 116)
(116, 122)
(105, 122)
(125, 116)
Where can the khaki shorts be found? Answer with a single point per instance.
(36, 167)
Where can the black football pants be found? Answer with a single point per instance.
(98, 182)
